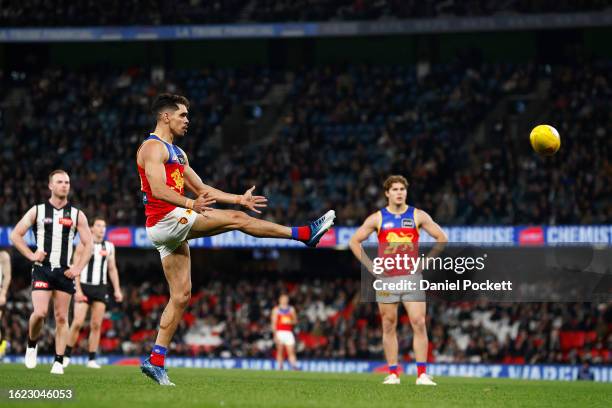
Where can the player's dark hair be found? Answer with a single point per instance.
(168, 101)
(54, 172)
(395, 179)
(97, 218)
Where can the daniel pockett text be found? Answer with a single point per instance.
(397, 273)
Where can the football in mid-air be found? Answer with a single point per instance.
(545, 140)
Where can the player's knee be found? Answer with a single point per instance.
(61, 319)
(76, 325)
(418, 323)
(181, 299)
(95, 326)
(389, 323)
(239, 219)
(40, 314)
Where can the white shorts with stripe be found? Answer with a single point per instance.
(171, 231)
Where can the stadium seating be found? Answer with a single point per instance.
(139, 12)
(332, 323)
(346, 129)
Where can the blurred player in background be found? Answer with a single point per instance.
(92, 291)
(283, 318)
(172, 219)
(399, 223)
(5, 282)
(55, 224)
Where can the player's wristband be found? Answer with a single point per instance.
(189, 203)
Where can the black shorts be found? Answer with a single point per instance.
(95, 293)
(45, 278)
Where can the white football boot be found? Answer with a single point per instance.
(425, 379)
(93, 364)
(57, 368)
(392, 379)
(30, 357)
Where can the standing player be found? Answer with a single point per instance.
(283, 319)
(399, 222)
(172, 219)
(92, 291)
(55, 224)
(5, 281)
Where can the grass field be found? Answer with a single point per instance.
(125, 387)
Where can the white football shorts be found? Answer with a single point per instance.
(171, 231)
(285, 337)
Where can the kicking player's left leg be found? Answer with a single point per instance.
(420, 344)
(177, 269)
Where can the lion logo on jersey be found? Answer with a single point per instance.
(179, 182)
(398, 242)
(401, 237)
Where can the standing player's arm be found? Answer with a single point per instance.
(362, 233)
(425, 222)
(86, 239)
(248, 200)
(113, 274)
(293, 316)
(19, 232)
(153, 157)
(78, 253)
(5, 267)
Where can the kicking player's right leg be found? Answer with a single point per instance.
(218, 221)
(388, 315)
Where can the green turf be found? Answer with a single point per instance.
(125, 387)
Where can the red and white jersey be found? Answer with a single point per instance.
(156, 209)
(284, 318)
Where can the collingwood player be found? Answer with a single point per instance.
(92, 291)
(5, 281)
(54, 224)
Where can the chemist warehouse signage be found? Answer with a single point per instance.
(136, 237)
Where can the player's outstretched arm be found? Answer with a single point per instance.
(5, 270)
(194, 183)
(87, 241)
(113, 274)
(152, 155)
(362, 233)
(19, 232)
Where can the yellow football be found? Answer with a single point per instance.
(545, 140)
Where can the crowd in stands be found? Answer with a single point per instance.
(138, 12)
(232, 319)
(346, 129)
